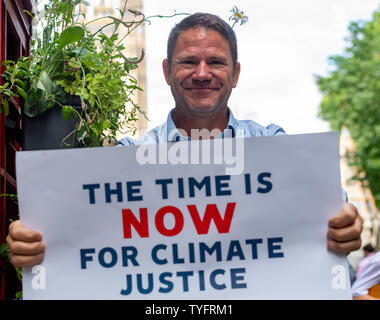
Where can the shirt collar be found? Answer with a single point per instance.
(173, 134)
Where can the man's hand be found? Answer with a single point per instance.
(26, 248)
(344, 230)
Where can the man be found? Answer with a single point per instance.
(201, 69)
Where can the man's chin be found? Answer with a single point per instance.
(205, 110)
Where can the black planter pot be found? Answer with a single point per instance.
(48, 130)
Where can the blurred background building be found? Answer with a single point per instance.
(360, 195)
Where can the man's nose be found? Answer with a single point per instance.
(202, 72)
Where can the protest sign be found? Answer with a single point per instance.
(118, 226)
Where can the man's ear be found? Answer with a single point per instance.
(236, 74)
(166, 69)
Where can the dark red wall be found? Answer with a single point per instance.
(15, 32)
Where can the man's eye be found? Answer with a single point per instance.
(188, 62)
(216, 62)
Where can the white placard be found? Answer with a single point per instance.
(118, 229)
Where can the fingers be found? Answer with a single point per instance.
(25, 246)
(26, 261)
(344, 247)
(347, 233)
(346, 216)
(19, 233)
(344, 230)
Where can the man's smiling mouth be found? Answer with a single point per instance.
(201, 88)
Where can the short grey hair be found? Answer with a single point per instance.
(206, 20)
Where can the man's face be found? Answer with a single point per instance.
(201, 75)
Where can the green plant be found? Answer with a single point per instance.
(4, 255)
(69, 59)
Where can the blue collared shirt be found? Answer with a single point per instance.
(168, 132)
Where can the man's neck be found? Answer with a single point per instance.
(215, 124)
